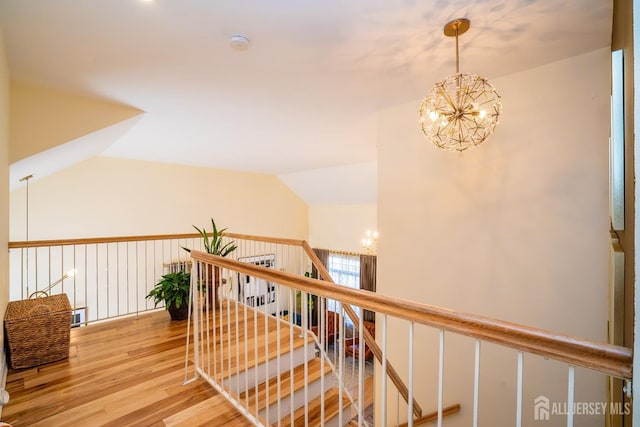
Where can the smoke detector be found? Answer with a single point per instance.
(239, 42)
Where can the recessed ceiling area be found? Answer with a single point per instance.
(304, 94)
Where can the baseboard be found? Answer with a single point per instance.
(4, 370)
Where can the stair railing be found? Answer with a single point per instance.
(115, 273)
(259, 352)
(112, 275)
(366, 337)
(603, 358)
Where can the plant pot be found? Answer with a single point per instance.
(181, 313)
(213, 283)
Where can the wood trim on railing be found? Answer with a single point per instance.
(368, 338)
(119, 239)
(606, 358)
(280, 240)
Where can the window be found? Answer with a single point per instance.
(345, 271)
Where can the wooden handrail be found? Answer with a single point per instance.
(606, 358)
(118, 239)
(368, 338)
(280, 240)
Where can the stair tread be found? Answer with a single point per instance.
(332, 407)
(227, 342)
(314, 368)
(241, 360)
(261, 331)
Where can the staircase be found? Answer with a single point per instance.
(270, 368)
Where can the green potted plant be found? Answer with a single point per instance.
(214, 245)
(173, 290)
(312, 313)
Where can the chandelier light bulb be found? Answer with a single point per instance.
(369, 241)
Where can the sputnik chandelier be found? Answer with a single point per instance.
(461, 111)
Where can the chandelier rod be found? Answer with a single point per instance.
(456, 28)
(457, 51)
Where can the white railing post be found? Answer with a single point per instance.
(193, 315)
(341, 361)
(322, 339)
(246, 353)
(570, 396)
(476, 384)
(279, 351)
(266, 353)
(362, 351)
(440, 378)
(304, 301)
(384, 369)
(410, 385)
(292, 320)
(519, 390)
(237, 337)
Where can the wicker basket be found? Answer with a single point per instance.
(37, 330)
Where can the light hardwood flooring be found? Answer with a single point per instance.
(127, 372)
(130, 372)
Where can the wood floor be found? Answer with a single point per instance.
(127, 372)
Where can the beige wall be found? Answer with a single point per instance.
(60, 117)
(516, 229)
(341, 227)
(109, 197)
(4, 181)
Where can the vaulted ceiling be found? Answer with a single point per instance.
(304, 95)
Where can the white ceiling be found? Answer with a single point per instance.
(63, 156)
(338, 185)
(304, 95)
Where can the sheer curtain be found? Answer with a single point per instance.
(358, 272)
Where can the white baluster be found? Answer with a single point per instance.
(322, 337)
(341, 360)
(476, 384)
(440, 378)
(304, 301)
(361, 354)
(384, 369)
(266, 348)
(519, 390)
(279, 391)
(410, 385)
(246, 352)
(291, 334)
(255, 354)
(237, 348)
(570, 396)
